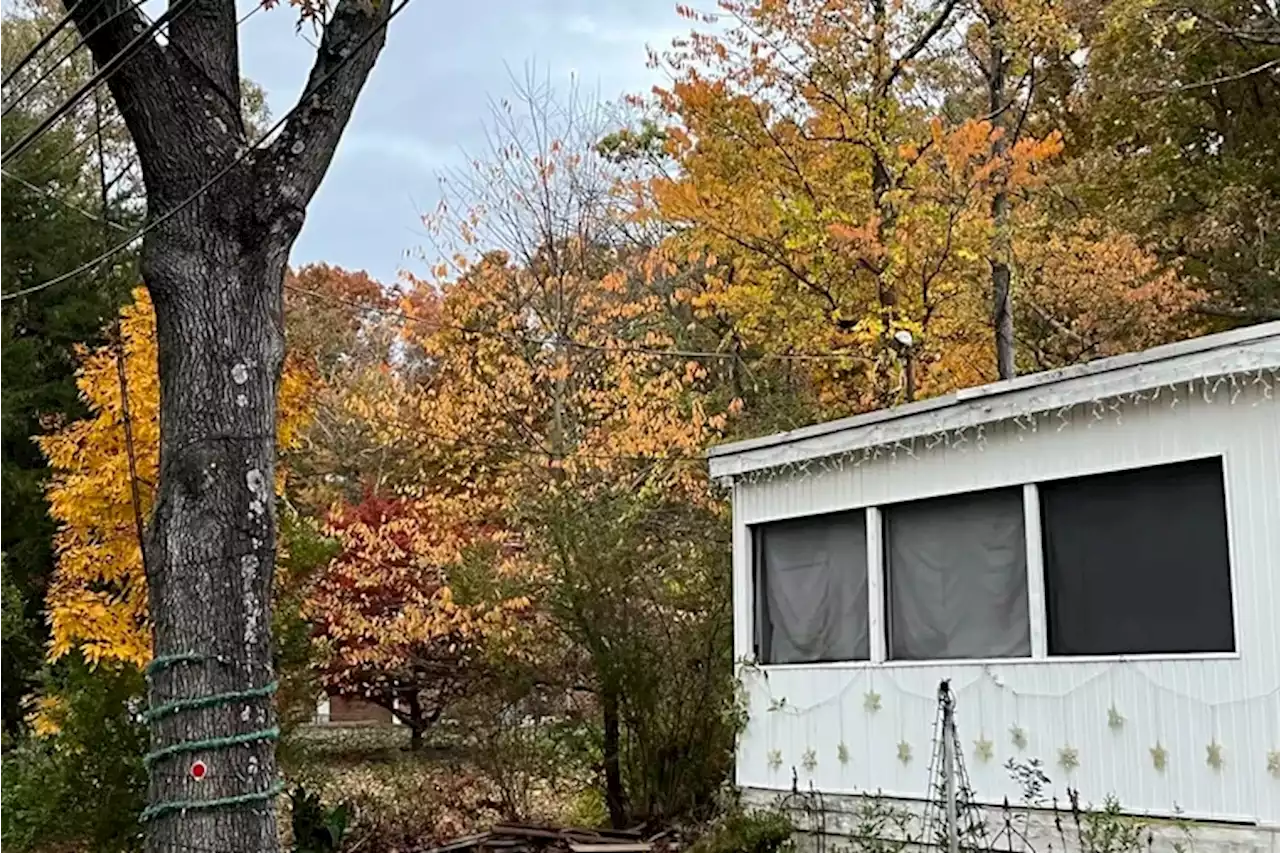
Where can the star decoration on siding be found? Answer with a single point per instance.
(810, 760)
(1115, 720)
(1159, 757)
(1018, 735)
(1213, 755)
(983, 749)
(842, 753)
(871, 702)
(1068, 758)
(775, 759)
(1273, 763)
(904, 752)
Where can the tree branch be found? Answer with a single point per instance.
(206, 38)
(921, 42)
(109, 27)
(296, 162)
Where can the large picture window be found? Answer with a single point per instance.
(811, 589)
(957, 577)
(1136, 562)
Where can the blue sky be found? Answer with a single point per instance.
(427, 102)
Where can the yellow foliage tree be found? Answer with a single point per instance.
(97, 602)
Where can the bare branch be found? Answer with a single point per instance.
(297, 160)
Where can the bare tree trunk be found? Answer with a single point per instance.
(1001, 280)
(614, 793)
(416, 723)
(215, 270)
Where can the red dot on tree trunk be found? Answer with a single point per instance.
(198, 770)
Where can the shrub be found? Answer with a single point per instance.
(80, 780)
(740, 831)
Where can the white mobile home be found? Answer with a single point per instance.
(1090, 555)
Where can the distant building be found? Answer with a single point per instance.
(350, 711)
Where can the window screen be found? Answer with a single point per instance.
(1136, 562)
(957, 577)
(811, 589)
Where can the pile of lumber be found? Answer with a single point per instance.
(522, 838)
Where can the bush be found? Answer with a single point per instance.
(747, 832)
(82, 783)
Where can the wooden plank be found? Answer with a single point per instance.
(612, 847)
(463, 843)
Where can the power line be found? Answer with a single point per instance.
(40, 45)
(61, 61)
(220, 174)
(137, 43)
(571, 342)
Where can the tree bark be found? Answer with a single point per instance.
(1001, 278)
(614, 793)
(215, 270)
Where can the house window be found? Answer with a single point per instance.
(811, 582)
(1136, 562)
(956, 572)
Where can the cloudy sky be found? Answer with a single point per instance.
(426, 104)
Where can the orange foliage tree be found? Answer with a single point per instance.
(560, 413)
(385, 617)
(813, 160)
(97, 601)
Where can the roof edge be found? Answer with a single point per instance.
(1013, 396)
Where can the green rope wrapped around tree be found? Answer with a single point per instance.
(151, 758)
(162, 809)
(180, 705)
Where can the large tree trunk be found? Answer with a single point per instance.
(212, 545)
(222, 216)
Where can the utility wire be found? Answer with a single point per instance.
(13, 102)
(40, 45)
(219, 175)
(139, 41)
(467, 330)
(122, 373)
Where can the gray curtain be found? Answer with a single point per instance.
(812, 589)
(957, 577)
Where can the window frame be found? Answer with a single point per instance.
(877, 580)
(757, 601)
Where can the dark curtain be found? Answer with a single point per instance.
(1136, 562)
(957, 577)
(811, 589)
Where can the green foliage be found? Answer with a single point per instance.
(86, 784)
(626, 144)
(43, 236)
(748, 832)
(19, 645)
(305, 551)
(316, 827)
(880, 826)
(1107, 829)
(640, 586)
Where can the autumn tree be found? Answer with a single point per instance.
(346, 325)
(1175, 123)
(856, 177)
(222, 214)
(385, 615)
(816, 164)
(560, 405)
